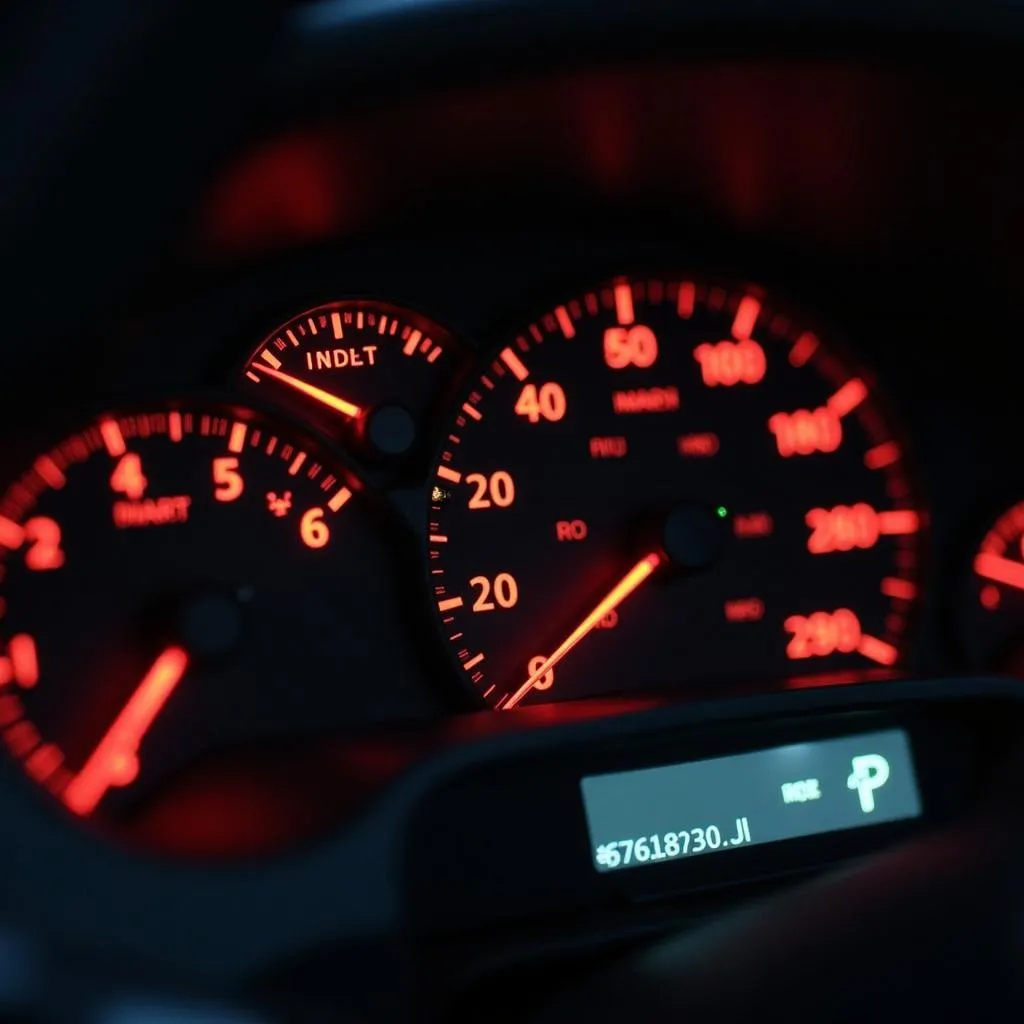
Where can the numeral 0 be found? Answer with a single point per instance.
(504, 589)
(545, 681)
(497, 489)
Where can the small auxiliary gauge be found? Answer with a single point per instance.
(363, 372)
(992, 621)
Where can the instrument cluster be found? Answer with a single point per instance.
(650, 487)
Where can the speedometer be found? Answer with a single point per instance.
(669, 482)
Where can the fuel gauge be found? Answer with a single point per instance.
(363, 372)
(993, 621)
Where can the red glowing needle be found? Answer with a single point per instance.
(640, 572)
(317, 394)
(1002, 570)
(115, 761)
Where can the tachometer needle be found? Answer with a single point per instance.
(311, 391)
(636, 576)
(1002, 570)
(115, 761)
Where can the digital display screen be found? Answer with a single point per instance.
(655, 815)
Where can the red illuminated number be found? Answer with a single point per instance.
(44, 552)
(505, 591)
(842, 528)
(822, 633)
(545, 681)
(546, 402)
(128, 478)
(804, 431)
(731, 362)
(229, 482)
(21, 663)
(315, 533)
(630, 346)
(497, 489)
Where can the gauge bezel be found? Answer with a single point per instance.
(509, 327)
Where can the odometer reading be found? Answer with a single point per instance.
(668, 483)
(766, 796)
(670, 845)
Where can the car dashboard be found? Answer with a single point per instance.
(533, 498)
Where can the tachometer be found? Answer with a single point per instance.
(173, 582)
(668, 482)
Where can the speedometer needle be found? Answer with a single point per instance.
(312, 391)
(115, 761)
(1002, 570)
(636, 576)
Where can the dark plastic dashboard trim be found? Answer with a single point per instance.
(261, 912)
(369, 36)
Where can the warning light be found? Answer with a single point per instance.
(279, 507)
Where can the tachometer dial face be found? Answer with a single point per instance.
(366, 372)
(993, 620)
(668, 482)
(171, 582)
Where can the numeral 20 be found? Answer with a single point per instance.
(497, 489)
(504, 589)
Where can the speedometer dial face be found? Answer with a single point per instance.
(668, 483)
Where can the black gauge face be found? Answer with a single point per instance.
(992, 621)
(666, 483)
(365, 372)
(173, 582)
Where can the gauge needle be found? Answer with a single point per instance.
(1002, 570)
(640, 572)
(115, 761)
(310, 390)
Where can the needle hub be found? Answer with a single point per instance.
(694, 535)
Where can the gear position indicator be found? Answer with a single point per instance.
(765, 796)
